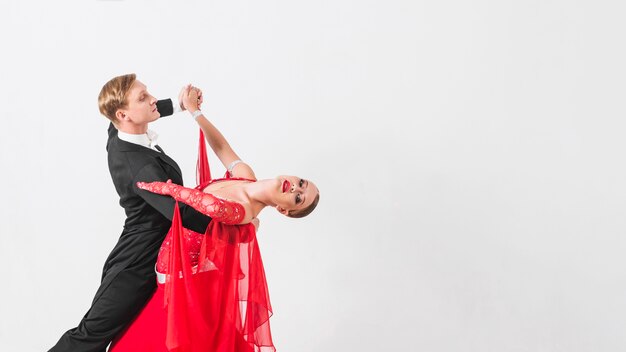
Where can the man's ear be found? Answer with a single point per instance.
(121, 115)
(282, 211)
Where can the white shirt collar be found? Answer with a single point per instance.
(148, 139)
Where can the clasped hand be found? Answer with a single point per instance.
(190, 98)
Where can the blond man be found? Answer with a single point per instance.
(128, 277)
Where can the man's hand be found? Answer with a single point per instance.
(181, 95)
(184, 91)
(199, 97)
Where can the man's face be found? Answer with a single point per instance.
(141, 106)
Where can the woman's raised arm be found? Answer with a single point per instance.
(216, 140)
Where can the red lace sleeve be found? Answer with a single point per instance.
(218, 209)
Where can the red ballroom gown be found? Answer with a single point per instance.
(212, 294)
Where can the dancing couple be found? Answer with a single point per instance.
(186, 273)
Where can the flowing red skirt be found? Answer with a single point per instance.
(222, 305)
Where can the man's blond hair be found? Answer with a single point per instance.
(113, 95)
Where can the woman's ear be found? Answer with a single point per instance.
(282, 210)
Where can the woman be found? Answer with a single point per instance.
(212, 294)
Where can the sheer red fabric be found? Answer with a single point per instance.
(203, 173)
(224, 305)
(215, 296)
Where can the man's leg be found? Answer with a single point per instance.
(112, 310)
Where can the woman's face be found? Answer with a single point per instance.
(293, 193)
(141, 106)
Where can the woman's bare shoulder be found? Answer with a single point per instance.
(243, 170)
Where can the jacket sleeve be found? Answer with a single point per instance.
(191, 218)
(165, 107)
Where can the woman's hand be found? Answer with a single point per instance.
(191, 98)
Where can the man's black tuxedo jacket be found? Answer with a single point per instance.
(148, 215)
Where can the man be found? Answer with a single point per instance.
(128, 277)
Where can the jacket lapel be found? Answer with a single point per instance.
(124, 146)
(168, 160)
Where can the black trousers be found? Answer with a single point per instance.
(117, 302)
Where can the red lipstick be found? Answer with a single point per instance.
(286, 186)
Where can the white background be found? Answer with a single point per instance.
(469, 157)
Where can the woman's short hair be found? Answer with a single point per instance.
(306, 211)
(113, 95)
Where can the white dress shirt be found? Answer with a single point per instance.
(148, 139)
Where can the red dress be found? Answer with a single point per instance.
(212, 294)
